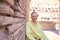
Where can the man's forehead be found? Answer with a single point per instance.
(34, 14)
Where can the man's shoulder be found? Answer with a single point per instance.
(39, 23)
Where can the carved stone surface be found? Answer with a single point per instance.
(10, 1)
(12, 20)
(18, 14)
(5, 10)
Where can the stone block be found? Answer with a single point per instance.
(5, 10)
(10, 2)
(18, 14)
(6, 20)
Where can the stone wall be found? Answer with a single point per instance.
(12, 19)
(48, 25)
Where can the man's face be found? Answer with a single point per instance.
(34, 16)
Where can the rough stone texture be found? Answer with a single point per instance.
(12, 19)
(48, 25)
(18, 14)
(10, 2)
(5, 10)
(6, 20)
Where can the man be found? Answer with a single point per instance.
(34, 30)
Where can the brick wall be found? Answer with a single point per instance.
(12, 19)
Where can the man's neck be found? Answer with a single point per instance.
(34, 21)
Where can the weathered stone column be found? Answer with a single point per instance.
(27, 9)
(12, 19)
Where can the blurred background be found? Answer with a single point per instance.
(49, 16)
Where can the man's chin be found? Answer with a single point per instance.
(34, 20)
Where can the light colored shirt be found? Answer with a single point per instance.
(34, 31)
